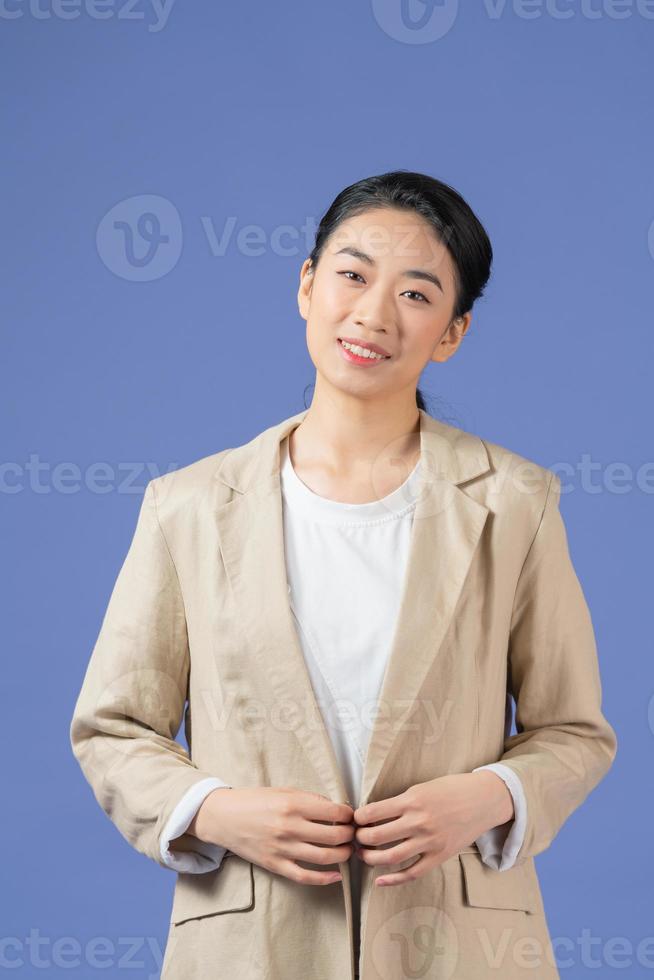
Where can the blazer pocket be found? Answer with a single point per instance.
(488, 888)
(230, 888)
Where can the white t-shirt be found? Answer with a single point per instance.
(345, 568)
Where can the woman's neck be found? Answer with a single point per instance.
(358, 455)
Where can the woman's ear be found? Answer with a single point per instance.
(304, 291)
(449, 342)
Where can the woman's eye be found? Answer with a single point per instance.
(414, 293)
(348, 272)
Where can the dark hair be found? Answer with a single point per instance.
(452, 220)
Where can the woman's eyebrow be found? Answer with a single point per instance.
(410, 273)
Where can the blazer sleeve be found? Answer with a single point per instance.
(499, 846)
(133, 694)
(564, 745)
(203, 856)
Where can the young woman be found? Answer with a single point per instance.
(344, 611)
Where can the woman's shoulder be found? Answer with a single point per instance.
(237, 467)
(506, 461)
(502, 470)
(183, 489)
(516, 483)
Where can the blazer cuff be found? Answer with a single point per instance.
(498, 848)
(204, 856)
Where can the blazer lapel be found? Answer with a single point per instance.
(447, 526)
(251, 539)
(446, 529)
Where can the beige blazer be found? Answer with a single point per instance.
(492, 612)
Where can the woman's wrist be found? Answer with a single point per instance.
(499, 801)
(202, 822)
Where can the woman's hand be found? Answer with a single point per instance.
(276, 827)
(435, 819)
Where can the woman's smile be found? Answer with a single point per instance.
(354, 353)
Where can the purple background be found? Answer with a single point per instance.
(259, 114)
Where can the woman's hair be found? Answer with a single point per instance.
(452, 220)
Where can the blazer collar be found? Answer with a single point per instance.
(447, 453)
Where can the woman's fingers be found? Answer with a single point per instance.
(313, 806)
(301, 850)
(390, 855)
(306, 876)
(415, 870)
(323, 833)
(384, 833)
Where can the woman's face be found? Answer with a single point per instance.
(383, 279)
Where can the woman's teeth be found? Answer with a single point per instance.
(362, 351)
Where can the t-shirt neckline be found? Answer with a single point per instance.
(314, 507)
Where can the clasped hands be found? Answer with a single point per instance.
(435, 820)
(278, 828)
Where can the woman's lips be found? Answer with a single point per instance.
(356, 359)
